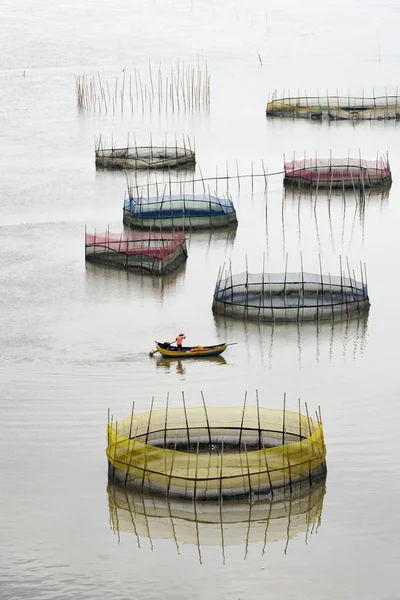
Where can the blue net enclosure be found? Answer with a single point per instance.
(181, 210)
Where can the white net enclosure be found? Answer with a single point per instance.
(151, 252)
(338, 173)
(335, 107)
(286, 296)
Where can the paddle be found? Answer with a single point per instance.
(152, 352)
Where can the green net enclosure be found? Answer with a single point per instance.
(177, 206)
(338, 173)
(144, 157)
(149, 252)
(213, 523)
(208, 453)
(335, 107)
(286, 296)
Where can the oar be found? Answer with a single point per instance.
(152, 352)
(232, 344)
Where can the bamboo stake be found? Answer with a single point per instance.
(207, 421)
(186, 420)
(241, 424)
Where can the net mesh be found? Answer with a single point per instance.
(185, 205)
(177, 207)
(337, 107)
(144, 157)
(155, 245)
(148, 447)
(320, 170)
(289, 296)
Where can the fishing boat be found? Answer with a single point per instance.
(189, 351)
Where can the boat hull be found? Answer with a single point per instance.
(192, 352)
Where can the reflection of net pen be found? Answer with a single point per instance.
(331, 173)
(206, 452)
(151, 252)
(287, 296)
(214, 523)
(180, 210)
(335, 107)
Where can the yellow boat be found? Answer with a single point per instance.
(189, 351)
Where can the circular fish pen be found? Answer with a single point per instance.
(177, 207)
(296, 296)
(335, 107)
(144, 157)
(154, 253)
(209, 453)
(337, 173)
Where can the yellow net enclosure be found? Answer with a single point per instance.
(213, 452)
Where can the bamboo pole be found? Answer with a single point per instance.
(186, 420)
(207, 421)
(242, 421)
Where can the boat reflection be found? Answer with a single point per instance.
(170, 363)
(228, 523)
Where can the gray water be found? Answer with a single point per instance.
(75, 338)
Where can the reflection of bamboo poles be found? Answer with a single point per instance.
(183, 88)
(343, 207)
(300, 337)
(223, 524)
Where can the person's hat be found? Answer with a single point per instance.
(181, 334)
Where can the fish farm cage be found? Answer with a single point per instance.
(151, 252)
(338, 173)
(217, 523)
(144, 157)
(335, 107)
(177, 207)
(287, 296)
(210, 453)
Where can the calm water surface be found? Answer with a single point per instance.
(75, 338)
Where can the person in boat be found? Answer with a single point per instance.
(179, 339)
